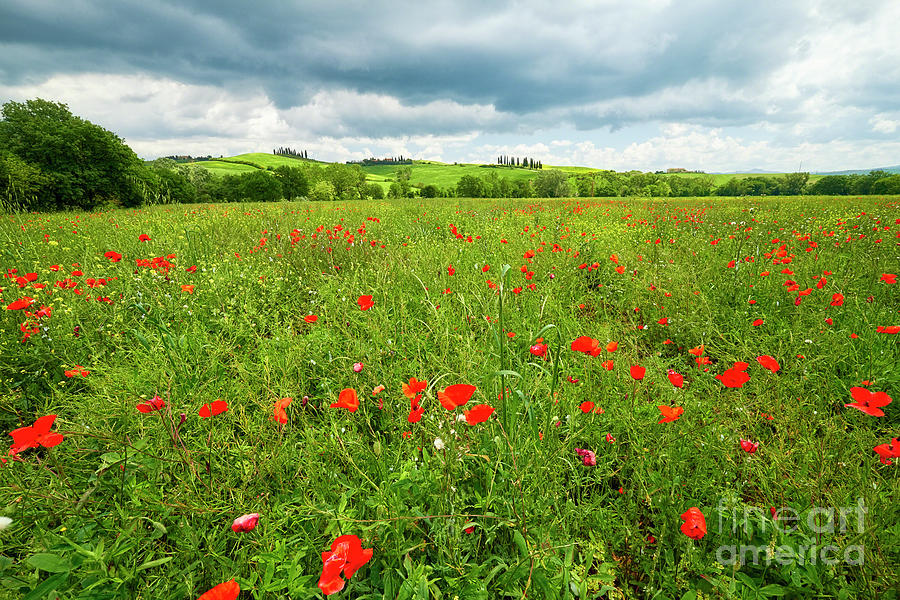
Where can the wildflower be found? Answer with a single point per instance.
(224, 591)
(112, 256)
(888, 451)
(588, 457)
(670, 413)
(357, 367)
(638, 372)
(869, 402)
(767, 362)
(479, 414)
(610, 439)
(612, 346)
(734, 377)
(586, 344)
(587, 406)
(77, 370)
(346, 555)
(280, 413)
(212, 409)
(5, 522)
(457, 395)
(748, 446)
(154, 404)
(439, 444)
(21, 303)
(539, 349)
(189, 288)
(377, 390)
(675, 379)
(144, 237)
(310, 318)
(365, 302)
(35, 435)
(245, 523)
(347, 399)
(694, 525)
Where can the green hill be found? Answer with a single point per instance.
(425, 172)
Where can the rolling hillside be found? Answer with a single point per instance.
(424, 172)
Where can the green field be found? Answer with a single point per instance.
(445, 175)
(535, 461)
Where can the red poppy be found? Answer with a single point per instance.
(310, 318)
(191, 269)
(144, 237)
(414, 388)
(35, 435)
(694, 525)
(539, 349)
(837, 299)
(346, 555)
(280, 413)
(479, 414)
(734, 377)
(887, 451)
(888, 278)
(20, 303)
(608, 365)
(415, 409)
(869, 402)
(245, 523)
(216, 407)
(586, 406)
(748, 446)
(767, 362)
(456, 395)
(347, 399)
(224, 591)
(365, 302)
(675, 379)
(638, 372)
(154, 404)
(757, 322)
(698, 351)
(670, 413)
(75, 371)
(451, 270)
(189, 288)
(113, 256)
(586, 344)
(612, 346)
(664, 321)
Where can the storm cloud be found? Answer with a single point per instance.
(376, 76)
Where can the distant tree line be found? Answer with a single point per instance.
(394, 160)
(523, 163)
(290, 152)
(186, 158)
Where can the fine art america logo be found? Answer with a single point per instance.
(817, 525)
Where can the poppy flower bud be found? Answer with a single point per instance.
(245, 523)
(357, 367)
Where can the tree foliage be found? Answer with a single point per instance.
(66, 161)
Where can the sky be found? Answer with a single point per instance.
(712, 85)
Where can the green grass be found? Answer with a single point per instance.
(221, 168)
(139, 506)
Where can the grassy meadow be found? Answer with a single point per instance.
(617, 398)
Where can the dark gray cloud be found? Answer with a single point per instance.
(521, 59)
